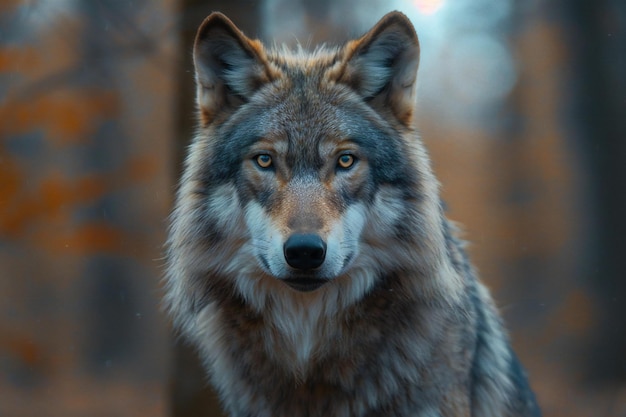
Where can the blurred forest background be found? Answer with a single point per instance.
(522, 104)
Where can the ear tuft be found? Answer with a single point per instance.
(229, 66)
(381, 66)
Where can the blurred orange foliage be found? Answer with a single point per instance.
(67, 117)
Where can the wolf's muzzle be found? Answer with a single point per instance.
(304, 251)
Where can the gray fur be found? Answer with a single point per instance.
(401, 326)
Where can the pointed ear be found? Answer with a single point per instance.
(381, 66)
(229, 67)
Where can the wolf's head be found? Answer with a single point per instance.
(306, 173)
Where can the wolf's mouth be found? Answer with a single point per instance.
(305, 284)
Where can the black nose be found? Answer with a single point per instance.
(305, 251)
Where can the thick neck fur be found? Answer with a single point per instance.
(300, 342)
(298, 331)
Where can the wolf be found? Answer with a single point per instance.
(309, 258)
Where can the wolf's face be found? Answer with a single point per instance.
(305, 179)
(306, 166)
(302, 188)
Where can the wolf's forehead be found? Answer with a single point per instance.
(301, 109)
(304, 107)
(304, 118)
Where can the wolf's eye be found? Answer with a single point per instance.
(345, 161)
(264, 160)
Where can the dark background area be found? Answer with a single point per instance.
(522, 105)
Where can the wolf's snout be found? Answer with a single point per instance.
(305, 251)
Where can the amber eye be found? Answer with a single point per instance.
(345, 161)
(264, 160)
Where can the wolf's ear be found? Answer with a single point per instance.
(229, 66)
(381, 66)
